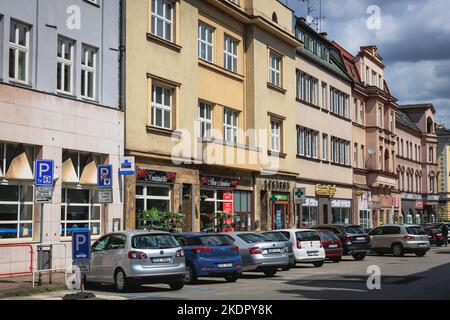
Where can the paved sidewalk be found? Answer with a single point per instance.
(23, 285)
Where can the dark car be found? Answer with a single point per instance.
(210, 255)
(434, 235)
(355, 241)
(279, 236)
(332, 245)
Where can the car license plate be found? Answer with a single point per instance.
(422, 244)
(360, 238)
(225, 265)
(313, 253)
(274, 250)
(332, 246)
(162, 260)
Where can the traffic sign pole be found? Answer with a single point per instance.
(41, 236)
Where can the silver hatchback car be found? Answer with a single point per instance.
(259, 253)
(137, 257)
(399, 239)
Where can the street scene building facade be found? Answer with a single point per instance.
(443, 153)
(59, 99)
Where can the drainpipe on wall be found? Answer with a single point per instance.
(122, 55)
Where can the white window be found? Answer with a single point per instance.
(324, 147)
(355, 155)
(162, 19)
(339, 103)
(356, 110)
(79, 211)
(367, 76)
(431, 155)
(204, 120)
(89, 73)
(19, 50)
(16, 211)
(361, 113)
(324, 96)
(65, 66)
(161, 107)
(230, 54)
(307, 141)
(362, 156)
(275, 136)
(205, 42)
(230, 125)
(150, 197)
(307, 88)
(340, 151)
(391, 121)
(380, 117)
(374, 79)
(275, 69)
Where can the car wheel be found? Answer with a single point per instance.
(232, 277)
(191, 275)
(175, 286)
(421, 254)
(121, 281)
(336, 259)
(270, 273)
(359, 256)
(318, 264)
(397, 250)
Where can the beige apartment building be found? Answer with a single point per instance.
(444, 173)
(210, 92)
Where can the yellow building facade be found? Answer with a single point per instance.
(210, 87)
(443, 153)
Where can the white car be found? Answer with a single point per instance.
(307, 246)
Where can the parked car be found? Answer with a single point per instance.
(280, 237)
(355, 241)
(210, 255)
(137, 257)
(434, 235)
(400, 239)
(259, 253)
(308, 247)
(332, 245)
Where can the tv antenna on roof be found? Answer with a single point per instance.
(314, 21)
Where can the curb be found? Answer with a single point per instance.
(30, 291)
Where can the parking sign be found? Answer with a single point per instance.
(81, 245)
(104, 176)
(44, 173)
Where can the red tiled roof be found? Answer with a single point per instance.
(348, 59)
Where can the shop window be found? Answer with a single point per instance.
(16, 212)
(242, 209)
(80, 167)
(340, 215)
(309, 217)
(151, 198)
(365, 219)
(79, 211)
(16, 161)
(214, 202)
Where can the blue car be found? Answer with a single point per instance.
(210, 255)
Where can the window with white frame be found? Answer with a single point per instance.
(205, 42)
(361, 113)
(19, 51)
(324, 95)
(230, 54)
(307, 88)
(152, 197)
(162, 101)
(204, 120)
(362, 157)
(367, 76)
(380, 117)
(324, 147)
(391, 121)
(339, 103)
(275, 135)
(307, 142)
(230, 125)
(356, 110)
(65, 65)
(275, 69)
(340, 151)
(16, 211)
(431, 155)
(355, 155)
(79, 211)
(89, 72)
(162, 19)
(374, 79)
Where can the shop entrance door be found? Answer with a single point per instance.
(325, 214)
(280, 214)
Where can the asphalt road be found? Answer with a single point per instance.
(405, 278)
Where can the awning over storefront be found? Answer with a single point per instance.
(20, 167)
(361, 186)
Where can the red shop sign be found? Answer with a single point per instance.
(219, 182)
(156, 176)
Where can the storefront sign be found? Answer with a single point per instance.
(219, 182)
(311, 202)
(395, 202)
(419, 205)
(299, 196)
(127, 166)
(325, 190)
(156, 176)
(411, 196)
(432, 198)
(359, 192)
(341, 203)
(276, 185)
(280, 197)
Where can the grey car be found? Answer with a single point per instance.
(137, 257)
(400, 239)
(279, 236)
(260, 253)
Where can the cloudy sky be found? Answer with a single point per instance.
(413, 39)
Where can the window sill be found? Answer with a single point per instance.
(66, 95)
(164, 42)
(276, 88)
(325, 110)
(341, 165)
(89, 100)
(308, 158)
(20, 84)
(358, 125)
(280, 155)
(164, 132)
(214, 67)
(308, 104)
(340, 117)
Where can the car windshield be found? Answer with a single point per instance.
(154, 241)
(327, 235)
(307, 236)
(416, 231)
(276, 236)
(254, 237)
(216, 240)
(354, 230)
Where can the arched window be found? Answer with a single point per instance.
(430, 125)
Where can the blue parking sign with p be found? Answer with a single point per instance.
(44, 173)
(104, 176)
(81, 245)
